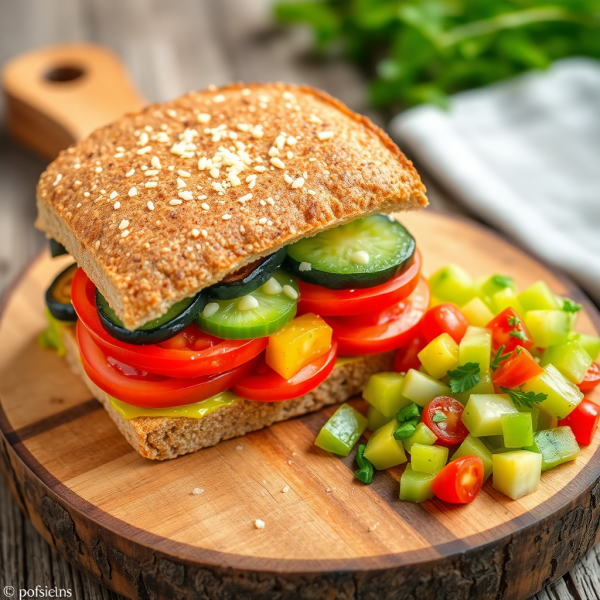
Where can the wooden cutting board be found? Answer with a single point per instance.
(135, 525)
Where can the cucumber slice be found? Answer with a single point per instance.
(177, 318)
(361, 254)
(262, 313)
(248, 278)
(58, 295)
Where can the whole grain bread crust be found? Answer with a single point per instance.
(169, 200)
(161, 438)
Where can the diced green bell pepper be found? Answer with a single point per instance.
(517, 430)
(589, 343)
(548, 327)
(517, 473)
(422, 435)
(570, 359)
(534, 411)
(383, 450)
(415, 486)
(428, 459)
(422, 389)
(538, 296)
(452, 284)
(384, 392)
(375, 419)
(556, 446)
(563, 396)
(476, 347)
(473, 446)
(341, 431)
(483, 413)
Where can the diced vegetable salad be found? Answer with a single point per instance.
(491, 386)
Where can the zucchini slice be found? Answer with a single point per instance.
(360, 254)
(177, 318)
(259, 314)
(58, 295)
(248, 278)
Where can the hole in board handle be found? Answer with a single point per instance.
(64, 73)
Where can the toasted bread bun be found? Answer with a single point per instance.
(160, 438)
(167, 201)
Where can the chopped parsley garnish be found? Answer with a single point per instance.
(406, 429)
(570, 306)
(514, 321)
(438, 416)
(517, 334)
(465, 377)
(365, 468)
(499, 358)
(503, 281)
(412, 411)
(527, 399)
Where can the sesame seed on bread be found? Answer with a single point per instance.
(169, 200)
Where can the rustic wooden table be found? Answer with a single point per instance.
(169, 48)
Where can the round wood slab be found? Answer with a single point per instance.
(135, 525)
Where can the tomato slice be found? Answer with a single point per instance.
(387, 334)
(407, 356)
(591, 379)
(583, 421)
(451, 430)
(459, 481)
(444, 318)
(148, 390)
(516, 369)
(265, 385)
(508, 330)
(190, 353)
(326, 302)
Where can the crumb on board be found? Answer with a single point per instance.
(259, 524)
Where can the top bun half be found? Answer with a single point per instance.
(169, 200)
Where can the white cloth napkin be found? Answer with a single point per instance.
(524, 154)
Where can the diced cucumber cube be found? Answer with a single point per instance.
(477, 312)
(546, 421)
(375, 419)
(428, 459)
(483, 413)
(570, 359)
(502, 450)
(476, 346)
(496, 283)
(422, 435)
(452, 284)
(383, 450)
(563, 396)
(556, 446)
(415, 486)
(548, 327)
(505, 299)
(538, 296)
(440, 356)
(384, 392)
(589, 343)
(517, 430)
(534, 411)
(473, 446)
(493, 442)
(341, 431)
(517, 473)
(485, 385)
(421, 388)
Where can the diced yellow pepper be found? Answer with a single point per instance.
(297, 344)
(477, 312)
(440, 356)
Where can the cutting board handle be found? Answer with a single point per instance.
(58, 95)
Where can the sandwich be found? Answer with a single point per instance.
(236, 263)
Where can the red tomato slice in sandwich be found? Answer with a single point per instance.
(145, 389)
(325, 302)
(263, 384)
(390, 329)
(191, 353)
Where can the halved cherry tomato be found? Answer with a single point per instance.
(591, 379)
(508, 330)
(140, 388)
(516, 369)
(388, 335)
(444, 318)
(265, 385)
(190, 353)
(406, 357)
(451, 430)
(583, 421)
(459, 481)
(325, 302)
